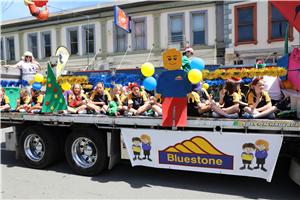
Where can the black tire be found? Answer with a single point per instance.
(41, 155)
(86, 151)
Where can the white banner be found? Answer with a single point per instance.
(253, 155)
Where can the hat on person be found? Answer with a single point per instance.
(188, 49)
(259, 64)
(237, 80)
(196, 86)
(133, 85)
(27, 53)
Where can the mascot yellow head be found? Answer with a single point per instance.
(172, 59)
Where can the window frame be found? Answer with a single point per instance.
(31, 46)
(69, 38)
(245, 6)
(84, 41)
(70, 42)
(115, 40)
(7, 46)
(29, 35)
(42, 38)
(206, 35)
(270, 39)
(133, 21)
(172, 15)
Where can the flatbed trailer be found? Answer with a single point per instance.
(92, 143)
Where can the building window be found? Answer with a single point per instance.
(11, 49)
(73, 42)
(33, 45)
(198, 31)
(121, 39)
(238, 62)
(89, 34)
(245, 24)
(176, 29)
(47, 45)
(2, 56)
(139, 35)
(277, 25)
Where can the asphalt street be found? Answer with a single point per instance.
(59, 181)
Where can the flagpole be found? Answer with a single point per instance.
(286, 46)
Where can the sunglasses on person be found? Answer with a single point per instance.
(28, 57)
(191, 52)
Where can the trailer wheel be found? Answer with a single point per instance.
(38, 147)
(86, 151)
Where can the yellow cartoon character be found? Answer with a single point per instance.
(173, 86)
(172, 59)
(247, 155)
(136, 147)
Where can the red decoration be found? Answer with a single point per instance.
(47, 103)
(49, 85)
(35, 12)
(55, 90)
(290, 10)
(40, 3)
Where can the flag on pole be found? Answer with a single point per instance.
(63, 56)
(290, 10)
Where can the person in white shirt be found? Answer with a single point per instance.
(273, 86)
(29, 67)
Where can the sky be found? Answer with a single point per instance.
(19, 10)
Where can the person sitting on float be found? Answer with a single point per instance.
(136, 103)
(4, 100)
(259, 101)
(272, 85)
(229, 99)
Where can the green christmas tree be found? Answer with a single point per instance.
(54, 99)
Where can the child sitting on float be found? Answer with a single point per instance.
(136, 102)
(118, 100)
(99, 100)
(259, 101)
(196, 107)
(242, 98)
(77, 100)
(4, 100)
(156, 107)
(36, 103)
(229, 99)
(23, 101)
